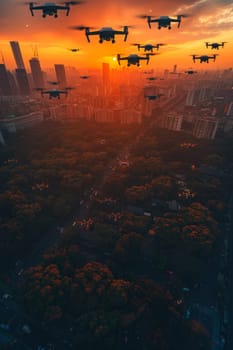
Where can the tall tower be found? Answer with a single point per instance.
(5, 86)
(61, 75)
(37, 74)
(106, 77)
(17, 54)
(22, 80)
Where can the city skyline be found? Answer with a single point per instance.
(208, 21)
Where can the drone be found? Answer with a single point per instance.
(153, 97)
(134, 59)
(84, 76)
(190, 71)
(163, 21)
(50, 8)
(74, 50)
(105, 33)
(204, 58)
(153, 78)
(215, 45)
(54, 93)
(148, 47)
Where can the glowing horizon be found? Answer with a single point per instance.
(209, 21)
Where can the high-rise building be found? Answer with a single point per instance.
(173, 121)
(206, 128)
(37, 73)
(61, 75)
(5, 87)
(106, 77)
(17, 54)
(22, 80)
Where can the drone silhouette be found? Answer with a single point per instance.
(74, 50)
(190, 71)
(148, 47)
(54, 93)
(163, 21)
(153, 97)
(215, 45)
(204, 58)
(134, 59)
(51, 8)
(105, 33)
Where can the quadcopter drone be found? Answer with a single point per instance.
(215, 45)
(54, 93)
(190, 71)
(134, 59)
(153, 97)
(163, 21)
(148, 47)
(105, 33)
(84, 76)
(51, 9)
(204, 58)
(74, 50)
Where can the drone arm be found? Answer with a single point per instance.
(67, 10)
(31, 9)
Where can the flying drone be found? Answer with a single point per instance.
(84, 76)
(54, 93)
(74, 50)
(51, 9)
(215, 45)
(204, 58)
(134, 59)
(163, 21)
(148, 47)
(105, 33)
(153, 97)
(190, 71)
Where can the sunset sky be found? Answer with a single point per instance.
(210, 20)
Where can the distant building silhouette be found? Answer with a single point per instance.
(22, 80)
(37, 74)
(61, 75)
(106, 77)
(5, 86)
(17, 54)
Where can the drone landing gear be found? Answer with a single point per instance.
(159, 27)
(113, 41)
(44, 15)
(169, 27)
(55, 15)
(101, 41)
(138, 64)
(128, 64)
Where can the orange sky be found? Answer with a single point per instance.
(209, 21)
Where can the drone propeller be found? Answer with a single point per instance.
(72, 3)
(160, 44)
(69, 88)
(53, 82)
(142, 16)
(184, 15)
(85, 76)
(81, 27)
(151, 54)
(31, 3)
(39, 89)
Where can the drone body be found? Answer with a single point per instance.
(51, 8)
(163, 21)
(215, 46)
(148, 47)
(105, 33)
(53, 93)
(133, 59)
(190, 71)
(204, 58)
(153, 97)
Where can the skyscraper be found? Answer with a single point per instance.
(5, 87)
(37, 74)
(17, 54)
(61, 75)
(106, 77)
(22, 80)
